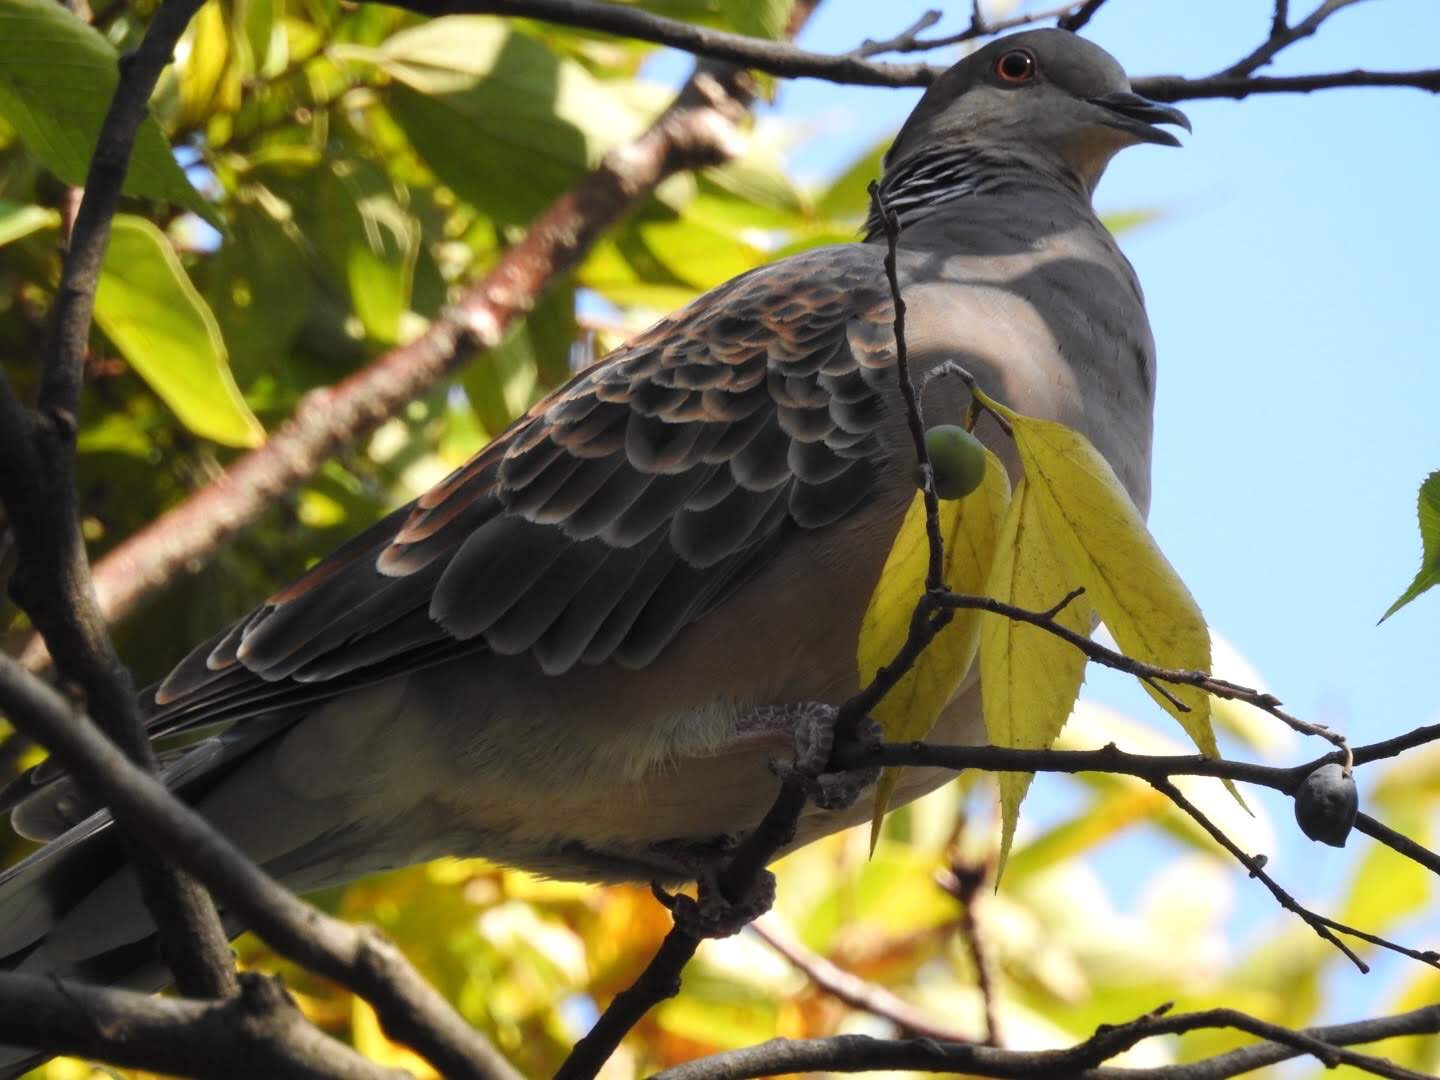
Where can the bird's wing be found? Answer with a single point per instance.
(620, 509)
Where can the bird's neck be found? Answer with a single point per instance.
(931, 179)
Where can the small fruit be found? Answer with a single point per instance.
(957, 459)
(1326, 803)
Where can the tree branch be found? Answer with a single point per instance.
(858, 1053)
(51, 580)
(260, 1032)
(360, 958)
(779, 58)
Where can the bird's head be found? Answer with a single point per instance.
(1045, 94)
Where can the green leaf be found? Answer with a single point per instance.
(18, 220)
(758, 18)
(150, 311)
(57, 74)
(1429, 510)
(499, 118)
(848, 196)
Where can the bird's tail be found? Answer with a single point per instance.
(72, 909)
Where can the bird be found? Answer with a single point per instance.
(578, 653)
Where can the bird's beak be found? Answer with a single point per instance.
(1139, 115)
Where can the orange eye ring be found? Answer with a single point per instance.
(1016, 66)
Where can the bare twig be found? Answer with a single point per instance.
(360, 958)
(1256, 867)
(914, 414)
(260, 1032)
(51, 579)
(1283, 35)
(1148, 672)
(1082, 15)
(964, 882)
(851, 989)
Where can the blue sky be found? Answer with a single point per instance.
(1294, 287)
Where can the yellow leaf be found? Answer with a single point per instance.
(1029, 678)
(969, 528)
(1108, 550)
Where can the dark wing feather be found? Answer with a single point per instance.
(618, 511)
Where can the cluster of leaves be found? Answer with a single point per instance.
(357, 165)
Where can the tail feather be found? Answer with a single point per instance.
(83, 871)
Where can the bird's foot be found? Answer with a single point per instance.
(814, 726)
(710, 913)
(695, 857)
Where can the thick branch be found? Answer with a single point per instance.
(52, 573)
(258, 1033)
(360, 958)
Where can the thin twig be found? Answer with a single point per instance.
(1283, 35)
(964, 881)
(1256, 867)
(851, 989)
(914, 415)
(1107, 657)
(1082, 15)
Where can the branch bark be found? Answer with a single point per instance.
(778, 58)
(859, 1053)
(51, 580)
(260, 1032)
(360, 958)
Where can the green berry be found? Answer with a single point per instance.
(957, 459)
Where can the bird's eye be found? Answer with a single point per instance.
(1015, 66)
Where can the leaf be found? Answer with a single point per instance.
(19, 220)
(969, 528)
(848, 196)
(57, 74)
(758, 18)
(150, 311)
(499, 118)
(1429, 510)
(372, 243)
(1029, 678)
(1108, 550)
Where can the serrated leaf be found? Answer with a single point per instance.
(148, 308)
(57, 74)
(1029, 678)
(19, 220)
(969, 528)
(1429, 511)
(1108, 550)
